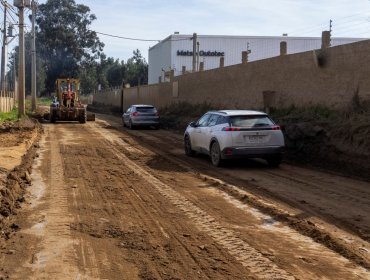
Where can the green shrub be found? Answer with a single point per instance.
(10, 116)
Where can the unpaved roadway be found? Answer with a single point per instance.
(108, 203)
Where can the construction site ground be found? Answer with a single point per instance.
(99, 201)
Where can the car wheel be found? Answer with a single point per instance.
(187, 146)
(130, 125)
(274, 161)
(216, 154)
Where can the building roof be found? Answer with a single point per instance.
(180, 37)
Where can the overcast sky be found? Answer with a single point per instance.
(157, 19)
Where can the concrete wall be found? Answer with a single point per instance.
(7, 101)
(111, 97)
(329, 77)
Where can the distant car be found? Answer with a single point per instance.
(141, 115)
(232, 134)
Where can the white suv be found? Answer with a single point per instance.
(235, 134)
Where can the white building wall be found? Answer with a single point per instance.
(164, 54)
(159, 57)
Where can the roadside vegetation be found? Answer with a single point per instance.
(43, 101)
(328, 139)
(10, 116)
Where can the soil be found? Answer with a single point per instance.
(110, 203)
(18, 148)
(340, 144)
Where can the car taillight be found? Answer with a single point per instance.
(134, 114)
(157, 114)
(227, 128)
(228, 152)
(276, 127)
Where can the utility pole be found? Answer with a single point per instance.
(195, 39)
(33, 51)
(21, 68)
(198, 49)
(3, 50)
(21, 4)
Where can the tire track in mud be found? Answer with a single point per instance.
(338, 243)
(148, 141)
(147, 238)
(248, 256)
(52, 227)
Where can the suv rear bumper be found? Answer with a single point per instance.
(248, 152)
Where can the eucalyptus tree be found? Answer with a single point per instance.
(65, 41)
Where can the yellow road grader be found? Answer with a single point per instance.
(66, 105)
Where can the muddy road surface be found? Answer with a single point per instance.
(110, 203)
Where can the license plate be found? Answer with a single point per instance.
(256, 138)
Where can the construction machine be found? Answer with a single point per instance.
(66, 105)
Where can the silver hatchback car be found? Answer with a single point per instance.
(231, 134)
(141, 115)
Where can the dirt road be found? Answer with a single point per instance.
(108, 203)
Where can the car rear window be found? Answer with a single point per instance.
(250, 121)
(145, 109)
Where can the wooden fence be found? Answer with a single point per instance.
(7, 101)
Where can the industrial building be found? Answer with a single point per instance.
(176, 51)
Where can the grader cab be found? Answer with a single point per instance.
(66, 105)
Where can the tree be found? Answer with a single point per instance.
(65, 42)
(137, 69)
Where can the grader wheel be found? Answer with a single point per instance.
(83, 116)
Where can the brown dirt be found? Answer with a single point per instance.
(340, 144)
(108, 203)
(18, 148)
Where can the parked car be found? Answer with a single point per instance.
(230, 134)
(141, 115)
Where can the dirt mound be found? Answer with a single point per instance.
(13, 183)
(177, 116)
(337, 142)
(19, 125)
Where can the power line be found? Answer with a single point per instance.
(353, 27)
(139, 39)
(127, 38)
(339, 21)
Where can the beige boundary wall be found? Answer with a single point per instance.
(330, 77)
(7, 101)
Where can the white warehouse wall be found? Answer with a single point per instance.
(159, 57)
(164, 54)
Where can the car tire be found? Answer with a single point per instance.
(130, 125)
(274, 161)
(187, 146)
(216, 155)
